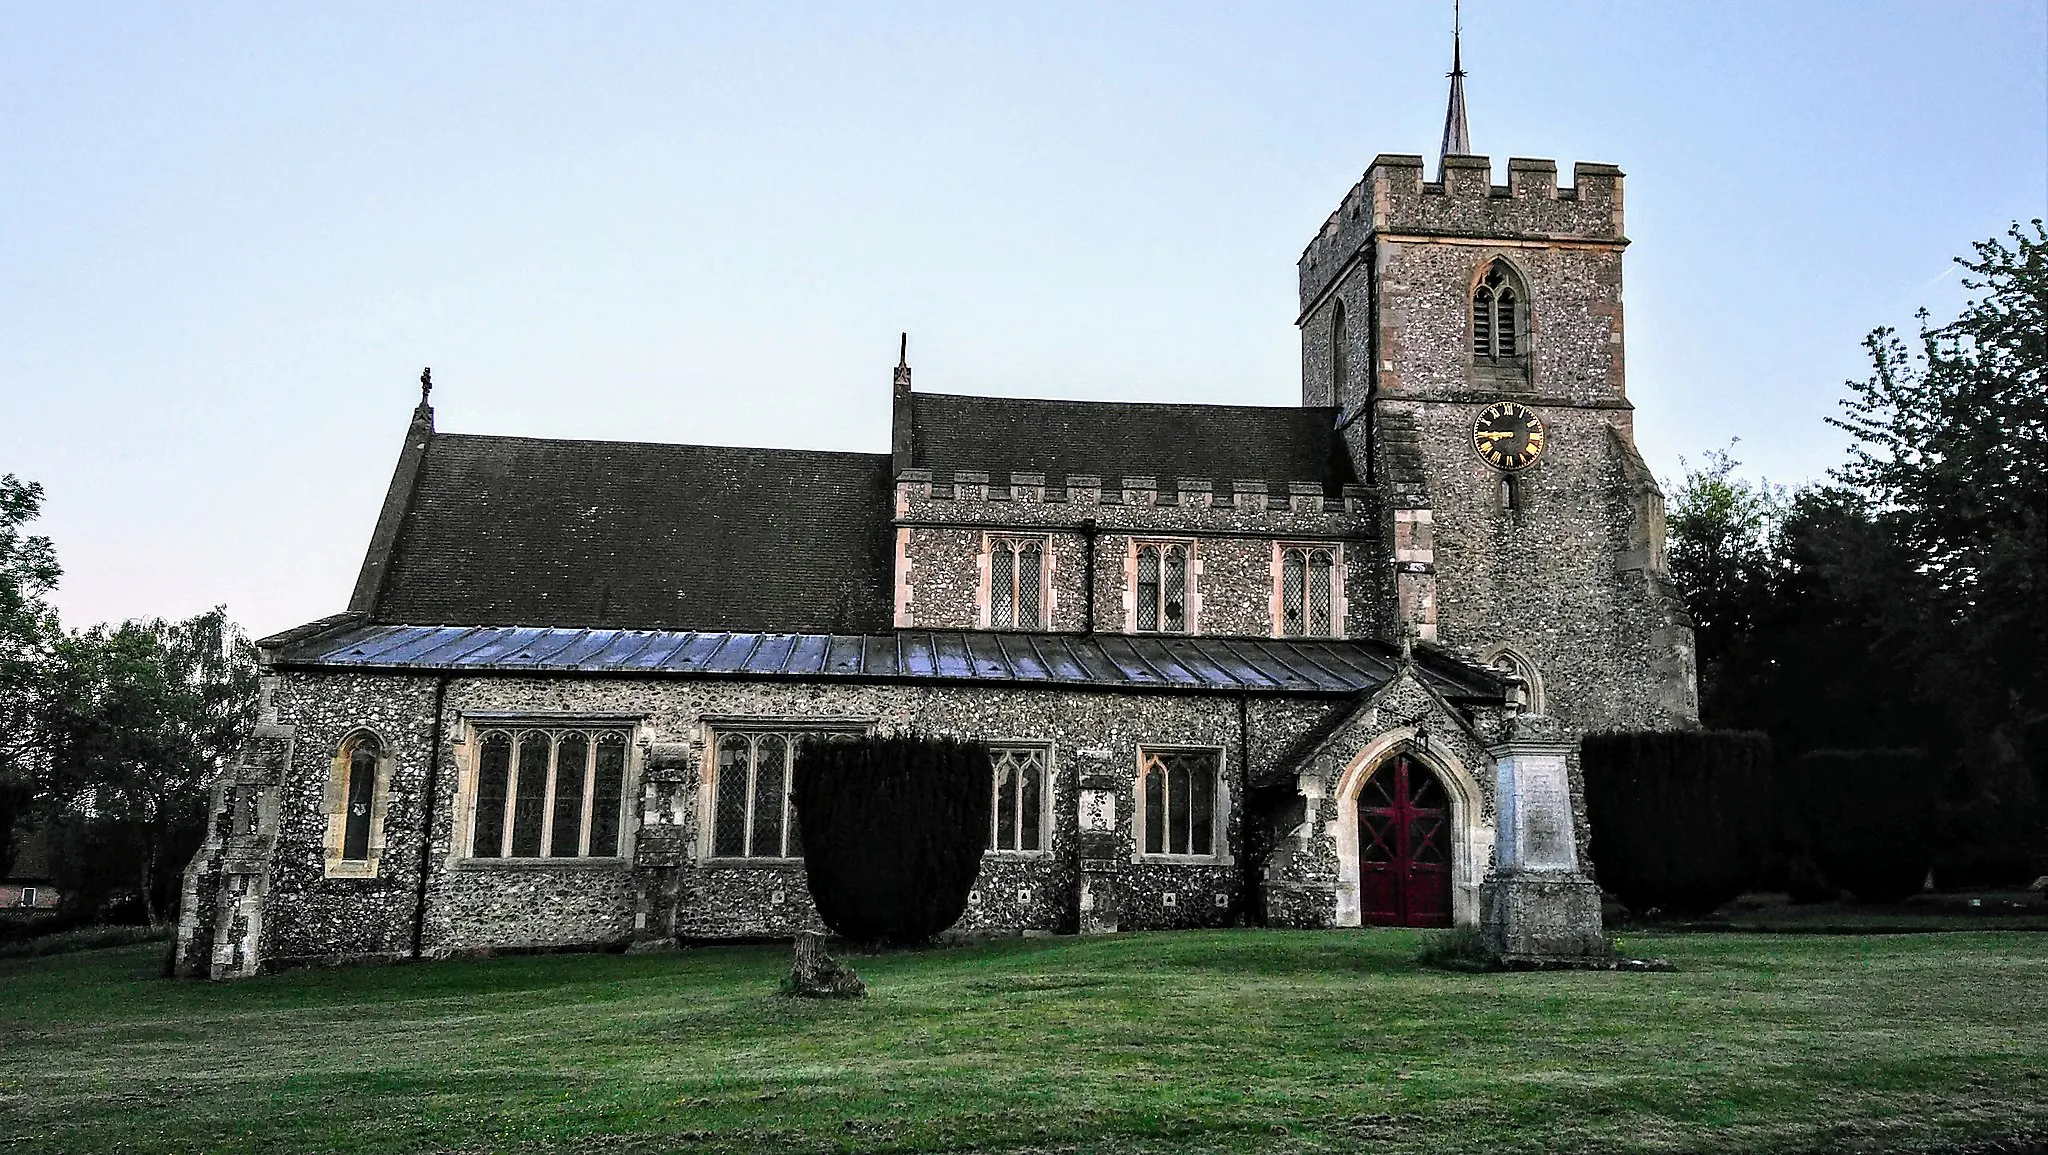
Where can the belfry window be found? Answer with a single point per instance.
(1016, 583)
(1165, 587)
(1180, 801)
(1017, 819)
(1308, 591)
(549, 794)
(1497, 315)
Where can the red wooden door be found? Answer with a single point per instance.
(1404, 847)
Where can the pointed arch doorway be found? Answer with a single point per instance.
(1404, 846)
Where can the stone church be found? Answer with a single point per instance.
(1320, 665)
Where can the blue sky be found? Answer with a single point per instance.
(231, 235)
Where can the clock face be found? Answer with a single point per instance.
(1508, 436)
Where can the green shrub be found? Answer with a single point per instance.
(1679, 817)
(1460, 948)
(893, 830)
(1869, 818)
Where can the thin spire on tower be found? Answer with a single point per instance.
(1457, 140)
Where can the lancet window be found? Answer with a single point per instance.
(1498, 317)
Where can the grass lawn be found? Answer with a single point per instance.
(1224, 1041)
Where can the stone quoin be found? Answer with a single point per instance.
(1305, 666)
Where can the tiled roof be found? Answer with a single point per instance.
(1116, 439)
(515, 530)
(1263, 665)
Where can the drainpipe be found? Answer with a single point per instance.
(419, 904)
(1088, 575)
(1247, 880)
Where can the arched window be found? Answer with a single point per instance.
(1498, 315)
(1512, 662)
(1016, 577)
(361, 797)
(1017, 820)
(549, 794)
(1340, 355)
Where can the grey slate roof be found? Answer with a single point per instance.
(1117, 439)
(530, 532)
(1261, 665)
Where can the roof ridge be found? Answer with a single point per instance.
(1124, 404)
(515, 437)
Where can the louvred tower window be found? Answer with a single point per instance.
(1499, 319)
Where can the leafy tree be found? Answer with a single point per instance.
(1949, 439)
(137, 719)
(1677, 818)
(28, 572)
(1723, 532)
(1870, 818)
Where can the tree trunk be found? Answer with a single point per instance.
(813, 974)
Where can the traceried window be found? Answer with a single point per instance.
(1497, 317)
(751, 815)
(1180, 801)
(549, 793)
(1016, 583)
(1165, 582)
(1017, 819)
(1308, 591)
(360, 796)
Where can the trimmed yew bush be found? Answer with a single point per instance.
(893, 830)
(1679, 817)
(1869, 818)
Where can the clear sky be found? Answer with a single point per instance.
(232, 234)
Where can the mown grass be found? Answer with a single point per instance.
(1226, 1041)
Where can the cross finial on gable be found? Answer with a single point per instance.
(903, 364)
(426, 385)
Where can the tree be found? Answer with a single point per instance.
(1948, 445)
(28, 572)
(893, 831)
(1722, 533)
(1869, 817)
(137, 719)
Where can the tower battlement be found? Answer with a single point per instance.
(1394, 200)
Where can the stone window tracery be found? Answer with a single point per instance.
(548, 793)
(1180, 792)
(1165, 587)
(358, 791)
(1017, 820)
(751, 812)
(1310, 585)
(1016, 583)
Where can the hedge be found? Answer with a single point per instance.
(893, 830)
(1679, 817)
(1869, 818)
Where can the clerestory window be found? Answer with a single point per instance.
(1180, 801)
(549, 793)
(1165, 587)
(1016, 583)
(1308, 591)
(1498, 317)
(1017, 820)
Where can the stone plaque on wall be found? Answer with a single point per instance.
(1098, 811)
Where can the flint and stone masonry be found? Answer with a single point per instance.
(1169, 650)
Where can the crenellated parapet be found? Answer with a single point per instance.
(1182, 505)
(1394, 199)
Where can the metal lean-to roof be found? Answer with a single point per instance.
(1261, 665)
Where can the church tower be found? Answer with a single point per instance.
(1470, 334)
